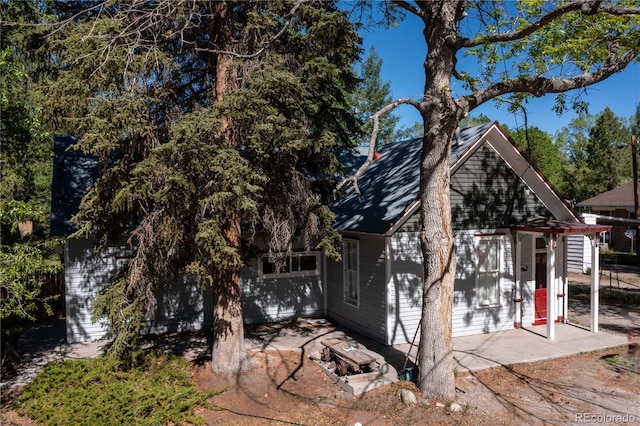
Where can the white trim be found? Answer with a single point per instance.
(388, 248)
(346, 271)
(498, 238)
(410, 211)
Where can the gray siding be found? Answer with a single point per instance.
(179, 307)
(579, 259)
(369, 318)
(468, 317)
(404, 289)
(275, 299)
(487, 194)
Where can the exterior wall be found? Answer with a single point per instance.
(404, 289)
(487, 194)
(369, 318)
(468, 316)
(276, 299)
(579, 248)
(619, 241)
(579, 255)
(179, 307)
(86, 273)
(404, 286)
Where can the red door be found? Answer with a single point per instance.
(540, 294)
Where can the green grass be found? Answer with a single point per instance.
(157, 390)
(612, 297)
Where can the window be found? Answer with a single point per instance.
(488, 277)
(296, 265)
(350, 261)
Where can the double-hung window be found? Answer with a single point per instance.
(351, 269)
(488, 275)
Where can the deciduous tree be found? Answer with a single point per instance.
(523, 49)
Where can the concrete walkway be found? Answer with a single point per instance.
(45, 343)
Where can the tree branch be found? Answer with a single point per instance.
(586, 8)
(373, 141)
(539, 86)
(408, 7)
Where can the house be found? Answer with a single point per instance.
(616, 208)
(511, 230)
(295, 292)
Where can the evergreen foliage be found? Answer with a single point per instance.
(597, 155)
(203, 119)
(539, 148)
(606, 160)
(25, 164)
(156, 390)
(371, 95)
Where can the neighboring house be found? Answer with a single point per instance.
(510, 227)
(616, 208)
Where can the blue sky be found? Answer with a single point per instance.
(402, 50)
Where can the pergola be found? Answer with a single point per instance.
(551, 229)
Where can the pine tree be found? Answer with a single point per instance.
(208, 119)
(538, 147)
(607, 163)
(371, 95)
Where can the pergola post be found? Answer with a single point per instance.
(517, 297)
(552, 290)
(595, 280)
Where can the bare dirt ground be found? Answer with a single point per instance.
(288, 389)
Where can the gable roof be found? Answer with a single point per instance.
(390, 186)
(620, 197)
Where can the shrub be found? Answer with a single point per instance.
(156, 390)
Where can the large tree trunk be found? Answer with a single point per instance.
(228, 355)
(440, 114)
(228, 352)
(436, 379)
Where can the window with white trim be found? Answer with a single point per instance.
(488, 275)
(301, 264)
(351, 269)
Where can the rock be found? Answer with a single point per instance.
(439, 405)
(408, 397)
(455, 407)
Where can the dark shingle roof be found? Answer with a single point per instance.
(388, 187)
(73, 174)
(391, 184)
(621, 196)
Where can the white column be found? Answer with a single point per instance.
(517, 295)
(565, 280)
(552, 288)
(595, 280)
